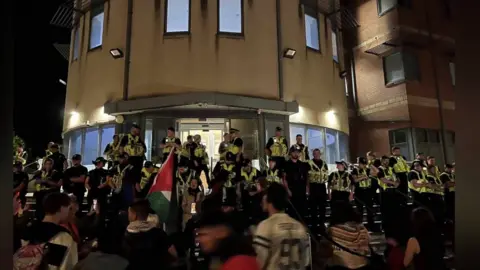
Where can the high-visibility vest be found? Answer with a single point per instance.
(146, 177)
(401, 166)
(231, 169)
(303, 154)
(437, 171)
(249, 177)
(134, 148)
(166, 149)
(200, 152)
(117, 181)
(451, 178)
(421, 180)
(436, 181)
(183, 181)
(233, 148)
(389, 175)
(341, 182)
(316, 175)
(44, 176)
(365, 183)
(114, 152)
(272, 176)
(279, 147)
(223, 149)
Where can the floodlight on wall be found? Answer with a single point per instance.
(289, 53)
(116, 53)
(62, 81)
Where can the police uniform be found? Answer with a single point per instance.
(200, 155)
(277, 149)
(223, 148)
(20, 157)
(248, 181)
(435, 197)
(296, 176)
(400, 169)
(124, 181)
(273, 175)
(303, 156)
(43, 188)
(235, 147)
(183, 175)
(149, 172)
(134, 146)
(448, 179)
(112, 151)
(340, 184)
(363, 191)
(317, 178)
(418, 193)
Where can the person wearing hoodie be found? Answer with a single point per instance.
(217, 238)
(56, 207)
(145, 245)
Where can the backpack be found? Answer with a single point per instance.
(33, 255)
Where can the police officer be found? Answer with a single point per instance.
(149, 172)
(135, 148)
(200, 159)
(59, 160)
(20, 155)
(223, 147)
(183, 175)
(97, 184)
(277, 148)
(371, 157)
(363, 190)
(418, 184)
(391, 199)
(448, 179)
(435, 194)
(189, 147)
(420, 157)
(20, 182)
(236, 146)
(47, 180)
(303, 148)
(124, 183)
(296, 179)
(340, 184)
(48, 151)
(170, 142)
(112, 151)
(432, 164)
(247, 187)
(273, 174)
(74, 179)
(317, 178)
(400, 168)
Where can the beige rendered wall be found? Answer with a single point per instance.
(204, 61)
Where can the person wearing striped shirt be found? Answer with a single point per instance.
(280, 241)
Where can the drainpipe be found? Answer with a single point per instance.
(437, 86)
(279, 51)
(128, 44)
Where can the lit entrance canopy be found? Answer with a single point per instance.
(201, 99)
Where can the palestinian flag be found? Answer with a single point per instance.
(160, 193)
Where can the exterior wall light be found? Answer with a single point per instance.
(116, 53)
(289, 53)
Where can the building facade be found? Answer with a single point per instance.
(203, 67)
(402, 78)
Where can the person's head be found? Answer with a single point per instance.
(362, 162)
(385, 161)
(317, 153)
(197, 138)
(343, 212)
(171, 132)
(294, 153)
(420, 156)
(149, 166)
(226, 137)
(431, 161)
(99, 162)
(189, 139)
(234, 133)
(275, 199)
(396, 151)
(17, 167)
(57, 206)
(371, 155)
(76, 160)
(247, 164)
(448, 168)
(422, 221)
(299, 138)
(135, 130)
(417, 166)
(49, 145)
(272, 163)
(48, 164)
(278, 131)
(139, 210)
(19, 148)
(74, 206)
(213, 228)
(54, 148)
(194, 183)
(116, 138)
(341, 166)
(123, 158)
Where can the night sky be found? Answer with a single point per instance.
(39, 97)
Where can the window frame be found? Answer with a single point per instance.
(311, 13)
(165, 21)
(334, 32)
(380, 12)
(406, 72)
(76, 41)
(96, 10)
(242, 23)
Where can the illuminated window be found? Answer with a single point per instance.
(178, 16)
(230, 16)
(76, 43)
(311, 31)
(96, 27)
